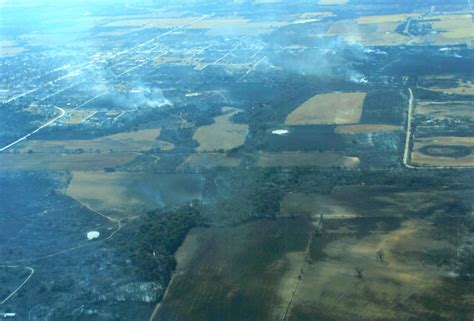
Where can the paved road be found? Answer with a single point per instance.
(52, 121)
(406, 153)
(32, 271)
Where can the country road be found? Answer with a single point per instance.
(406, 153)
(32, 271)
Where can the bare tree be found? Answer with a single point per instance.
(380, 255)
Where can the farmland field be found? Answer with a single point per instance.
(445, 151)
(327, 109)
(366, 129)
(236, 273)
(141, 140)
(222, 134)
(125, 193)
(319, 159)
(206, 161)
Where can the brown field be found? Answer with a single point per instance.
(451, 29)
(395, 289)
(222, 134)
(395, 18)
(463, 88)
(218, 25)
(198, 162)
(314, 205)
(366, 129)
(446, 111)
(332, 2)
(332, 108)
(363, 202)
(319, 159)
(457, 26)
(132, 193)
(236, 273)
(10, 48)
(71, 162)
(420, 159)
(305, 269)
(78, 116)
(141, 140)
(117, 33)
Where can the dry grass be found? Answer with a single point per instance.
(332, 2)
(141, 140)
(318, 159)
(126, 193)
(446, 111)
(451, 29)
(463, 88)
(395, 18)
(366, 129)
(51, 161)
(218, 25)
(245, 272)
(10, 51)
(332, 108)
(198, 162)
(458, 26)
(420, 159)
(314, 205)
(78, 116)
(222, 134)
(330, 289)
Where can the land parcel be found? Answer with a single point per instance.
(329, 109)
(222, 134)
(83, 154)
(444, 151)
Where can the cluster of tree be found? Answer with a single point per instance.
(159, 236)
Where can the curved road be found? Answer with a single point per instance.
(32, 271)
